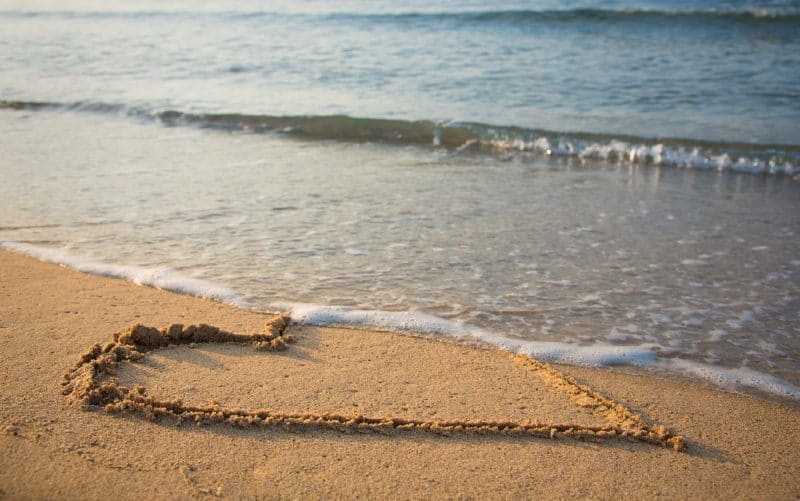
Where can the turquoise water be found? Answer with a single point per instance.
(597, 183)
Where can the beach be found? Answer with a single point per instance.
(368, 249)
(554, 179)
(735, 446)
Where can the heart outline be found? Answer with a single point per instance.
(83, 387)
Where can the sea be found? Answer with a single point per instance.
(606, 183)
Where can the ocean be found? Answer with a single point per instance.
(599, 183)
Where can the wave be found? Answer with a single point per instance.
(592, 15)
(464, 138)
(159, 278)
(745, 15)
(765, 15)
(595, 355)
(421, 324)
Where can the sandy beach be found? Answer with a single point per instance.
(433, 249)
(341, 412)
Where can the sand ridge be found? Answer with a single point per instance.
(90, 384)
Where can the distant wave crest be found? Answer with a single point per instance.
(585, 14)
(520, 16)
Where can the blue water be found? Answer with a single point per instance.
(713, 70)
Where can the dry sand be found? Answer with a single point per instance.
(340, 413)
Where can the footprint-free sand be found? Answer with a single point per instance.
(340, 412)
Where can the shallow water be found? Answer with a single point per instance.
(559, 178)
(688, 271)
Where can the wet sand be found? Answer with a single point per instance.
(339, 412)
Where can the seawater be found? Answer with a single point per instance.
(689, 271)
(719, 70)
(600, 183)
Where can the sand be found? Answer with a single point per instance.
(239, 409)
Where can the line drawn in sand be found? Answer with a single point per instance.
(90, 383)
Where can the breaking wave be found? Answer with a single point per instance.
(596, 355)
(463, 138)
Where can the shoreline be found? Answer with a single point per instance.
(621, 358)
(738, 446)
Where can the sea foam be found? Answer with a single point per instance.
(418, 323)
(160, 278)
(595, 355)
(423, 324)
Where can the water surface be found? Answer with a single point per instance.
(609, 182)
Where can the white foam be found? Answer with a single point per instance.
(417, 323)
(736, 378)
(694, 262)
(160, 278)
(596, 355)
(656, 154)
(423, 324)
(716, 335)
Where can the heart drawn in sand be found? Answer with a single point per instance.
(90, 384)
